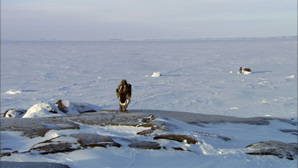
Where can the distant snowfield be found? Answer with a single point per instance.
(195, 75)
(198, 76)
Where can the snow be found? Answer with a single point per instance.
(15, 113)
(156, 74)
(291, 77)
(198, 76)
(195, 74)
(208, 152)
(42, 110)
(246, 73)
(12, 91)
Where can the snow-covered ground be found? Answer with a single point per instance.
(219, 144)
(198, 76)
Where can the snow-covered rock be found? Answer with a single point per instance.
(68, 107)
(61, 107)
(42, 110)
(31, 165)
(275, 148)
(194, 79)
(67, 143)
(15, 113)
(87, 139)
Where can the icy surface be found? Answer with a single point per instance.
(195, 74)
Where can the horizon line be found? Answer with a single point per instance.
(128, 40)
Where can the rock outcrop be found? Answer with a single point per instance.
(4, 164)
(154, 129)
(61, 107)
(71, 142)
(275, 148)
(15, 113)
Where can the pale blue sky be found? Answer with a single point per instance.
(146, 19)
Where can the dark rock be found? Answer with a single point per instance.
(61, 106)
(30, 127)
(36, 127)
(179, 138)
(5, 154)
(97, 118)
(5, 164)
(36, 132)
(127, 119)
(121, 119)
(275, 148)
(145, 145)
(178, 148)
(181, 149)
(108, 118)
(164, 124)
(68, 143)
(146, 132)
(224, 138)
(149, 118)
(94, 140)
(161, 125)
(286, 121)
(6, 149)
(294, 132)
(200, 119)
(56, 145)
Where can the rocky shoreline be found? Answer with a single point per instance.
(156, 125)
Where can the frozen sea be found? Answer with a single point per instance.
(198, 76)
